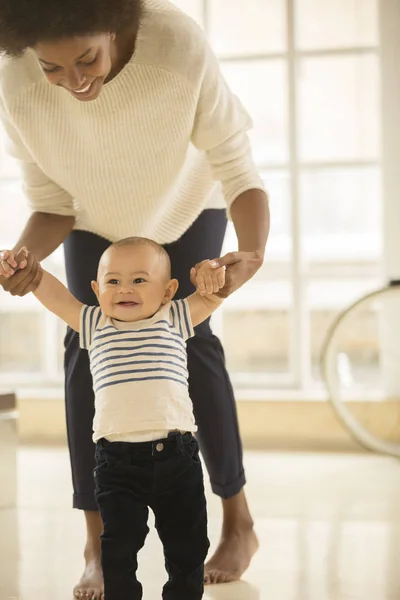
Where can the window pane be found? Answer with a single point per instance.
(322, 24)
(20, 335)
(257, 27)
(194, 8)
(280, 238)
(14, 212)
(265, 353)
(338, 108)
(262, 87)
(325, 300)
(341, 214)
(263, 308)
(279, 246)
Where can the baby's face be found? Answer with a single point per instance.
(133, 283)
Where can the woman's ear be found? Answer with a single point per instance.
(170, 290)
(95, 287)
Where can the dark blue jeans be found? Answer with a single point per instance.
(167, 477)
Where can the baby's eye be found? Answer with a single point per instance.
(139, 280)
(113, 281)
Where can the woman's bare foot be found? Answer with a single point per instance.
(232, 557)
(238, 543)
(90, 585)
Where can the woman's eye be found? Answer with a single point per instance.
(139, 280)
(91, 62)
(56, 68)
(52, 70)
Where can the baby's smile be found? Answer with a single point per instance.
(127, 303)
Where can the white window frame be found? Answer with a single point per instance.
(298, 380)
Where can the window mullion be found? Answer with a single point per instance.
(300, 338)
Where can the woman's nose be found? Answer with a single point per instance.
(75, 79)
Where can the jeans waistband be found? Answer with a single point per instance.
(174, 438)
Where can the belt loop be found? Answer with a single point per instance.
(179, 441)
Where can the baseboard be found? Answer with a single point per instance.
(41, 421)
(293, 425)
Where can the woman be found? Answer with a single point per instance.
(124, 126)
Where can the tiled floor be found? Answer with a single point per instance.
(328, 527)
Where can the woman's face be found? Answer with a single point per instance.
(80, 65)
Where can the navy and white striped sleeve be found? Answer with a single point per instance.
(180, 318)
(89, 321)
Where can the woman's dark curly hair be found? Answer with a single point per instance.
(25, 23)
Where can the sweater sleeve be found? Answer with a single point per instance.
(43, 194)
(220, 130)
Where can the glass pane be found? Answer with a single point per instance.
(338, 108)
(341, 214)
(264, 353)
(14, 212)
(322, 24)
(262, 307)
(280, 239)
(326, 298)
(194, 8)
(279, 246)
(257, 27)
(20, 335)
(262, 87)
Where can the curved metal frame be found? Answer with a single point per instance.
(328, 369)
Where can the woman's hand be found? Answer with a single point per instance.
(240, 267)
(20, 273)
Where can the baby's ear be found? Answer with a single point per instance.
(170, 290)
(95, 287)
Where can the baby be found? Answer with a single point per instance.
(146, 454)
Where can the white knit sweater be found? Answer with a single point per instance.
(163, 140)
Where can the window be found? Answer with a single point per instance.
(308, 72)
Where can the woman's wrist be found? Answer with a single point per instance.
(44, 232)
(251, 219)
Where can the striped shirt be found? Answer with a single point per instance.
(139, 370)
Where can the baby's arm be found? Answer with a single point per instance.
(205, 301)
(55, 296)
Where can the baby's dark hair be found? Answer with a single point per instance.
(25, 23)
(141, 241)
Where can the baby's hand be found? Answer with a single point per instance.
(207, 278)
(10, 262)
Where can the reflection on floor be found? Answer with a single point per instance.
(328, 527)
